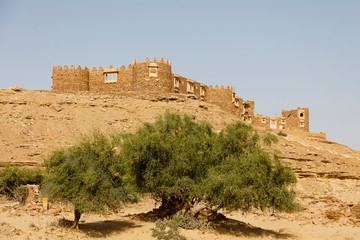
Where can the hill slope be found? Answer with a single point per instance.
(34, 123)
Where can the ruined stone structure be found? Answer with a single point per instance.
(297, 119)
(155, 78)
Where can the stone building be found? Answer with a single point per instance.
(155, 78)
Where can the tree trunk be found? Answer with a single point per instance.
(77, 215)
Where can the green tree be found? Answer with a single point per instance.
(246, 176)
(168, 158)
(181, 161)
(88, 175)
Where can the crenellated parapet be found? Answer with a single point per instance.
(148, 76)
(111, 79)
(71, 79)
(152, 76)
(155, 78)
(225, 97)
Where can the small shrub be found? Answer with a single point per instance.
(21, 193)
(13, 179)
(188, 221)
(269, 139)
(168, 229)
(281, 134)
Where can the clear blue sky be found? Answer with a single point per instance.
(281, 54)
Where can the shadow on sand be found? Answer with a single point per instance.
(237, 228)
(101, 229)
(221, 225)
(105, 228)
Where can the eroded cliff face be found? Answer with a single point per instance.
(34, 123)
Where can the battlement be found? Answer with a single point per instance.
(155, 78)
(147, 60)
(59, 68)
(70, 79)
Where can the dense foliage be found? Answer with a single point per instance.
(177, 158)
(170, 156)
(88, 175)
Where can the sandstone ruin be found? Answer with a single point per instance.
(156, 79)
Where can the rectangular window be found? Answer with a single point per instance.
(202, 91)
(110, 77)
(273, 124)
(263, 120)
(153, 70)
(176, 83)
(301, 114)
(190, 87)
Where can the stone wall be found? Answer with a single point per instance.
(296, 119)
(97, 83)
(155, 79)
(223, 97)
(248, 111)
(152, 78)
(291, 120)
(188, 86)
(268, 123)
(70, 80)
(182, 84)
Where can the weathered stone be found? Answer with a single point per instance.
(333, 214)
(58, 107)
(355, 210)
(16, 88)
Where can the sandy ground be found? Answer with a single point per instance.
(33, 222)
(34, 123)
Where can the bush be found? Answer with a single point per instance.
(269, 139)
(21, 193)
(13, 179)
(168, 229)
